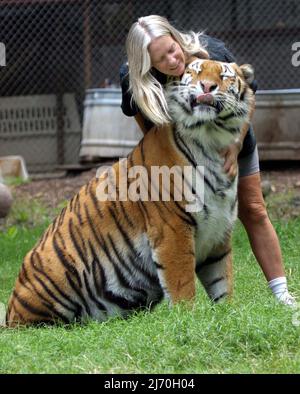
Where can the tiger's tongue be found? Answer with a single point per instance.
(205, 98)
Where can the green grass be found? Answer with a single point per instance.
(251, 334)
(15, 181)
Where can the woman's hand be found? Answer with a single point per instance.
(230, 154)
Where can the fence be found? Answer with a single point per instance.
(53, 50)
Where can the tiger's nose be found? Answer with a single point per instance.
(208, 86)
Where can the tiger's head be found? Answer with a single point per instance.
(211, 91)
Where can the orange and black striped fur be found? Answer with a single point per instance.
(105, 258)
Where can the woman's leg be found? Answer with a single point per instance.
(261, 233)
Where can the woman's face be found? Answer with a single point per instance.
(167, 56)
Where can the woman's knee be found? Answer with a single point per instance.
(252, 206)
(253, 212)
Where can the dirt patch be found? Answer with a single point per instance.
(283, 180)
(283, 201)
(52, 192)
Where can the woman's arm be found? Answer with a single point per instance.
(245, 128)
(231, 153)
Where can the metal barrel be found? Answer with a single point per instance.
(107, 132)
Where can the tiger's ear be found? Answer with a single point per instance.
(248, 73)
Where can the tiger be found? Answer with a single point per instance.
(104, 257)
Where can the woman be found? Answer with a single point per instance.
(155, 51)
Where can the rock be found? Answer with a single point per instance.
(5, 200)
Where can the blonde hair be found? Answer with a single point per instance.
(147, 92)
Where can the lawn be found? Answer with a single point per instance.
(251, 334)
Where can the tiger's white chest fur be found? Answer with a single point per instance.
(214, 222)
(218, 210)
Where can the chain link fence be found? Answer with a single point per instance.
(53, 50)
